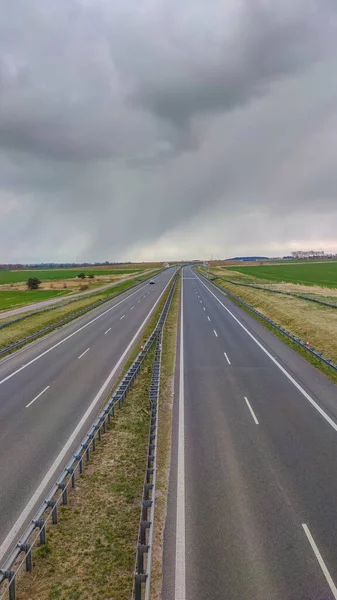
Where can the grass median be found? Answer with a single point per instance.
(169, 347)
(90, 554)
(35, 322)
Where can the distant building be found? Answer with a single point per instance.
(308, 254)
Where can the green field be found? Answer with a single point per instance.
(54, 274)
(20, 298)
(322, 274)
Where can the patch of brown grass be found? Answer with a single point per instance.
(311, 322)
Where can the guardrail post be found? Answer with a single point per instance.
(27, 549)
(10, 575)
(52, 504)
(71, 471)
(63, 487)
(139, 579)
(43, 534)
(142, 549)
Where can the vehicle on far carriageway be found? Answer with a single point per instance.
(151, 282)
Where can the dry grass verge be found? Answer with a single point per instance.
(164, 441)
(311, 322)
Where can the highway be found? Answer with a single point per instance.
(50, 393)
(252, 508)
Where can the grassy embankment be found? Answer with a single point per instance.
(15, 299)
(311, 322)
(91, 553)
(34, 323)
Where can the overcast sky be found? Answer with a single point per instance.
(163, 129)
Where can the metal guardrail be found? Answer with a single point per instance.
(58, 495)
(146, 525)
(71, 317)
(291, 294)
(319, 355)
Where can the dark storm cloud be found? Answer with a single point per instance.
(126, 125)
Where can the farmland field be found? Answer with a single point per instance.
(55, 274)
(322, 274)
(20, 298)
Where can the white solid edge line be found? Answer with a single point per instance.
(180, 576)
(83, 353)
(279, 366)
(38, 396)
(107, 331)
(229, 362)
(51, 472)
(66, 338)
(215, 333)
(251, 411)
(320, 560)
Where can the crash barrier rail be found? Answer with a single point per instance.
(146, 524)
(291, 294)
(36, 533)
(71, 317)
(305, 345)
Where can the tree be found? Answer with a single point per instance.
(33, 283)
(81, 275)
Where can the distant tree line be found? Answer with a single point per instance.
(19, 266)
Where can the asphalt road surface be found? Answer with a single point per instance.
(50, 393)
(252, 512)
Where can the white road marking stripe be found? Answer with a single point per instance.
(204, 308)
(208, 318)
(279, 366)
(215, 333)
(229, 362)
(320, 560)
(251, 410)
(180, 576)
(132, 307)
(38, 396)
(122, 317)
(10, 538)
(107, 331)
(83, 353)
(67, 338)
